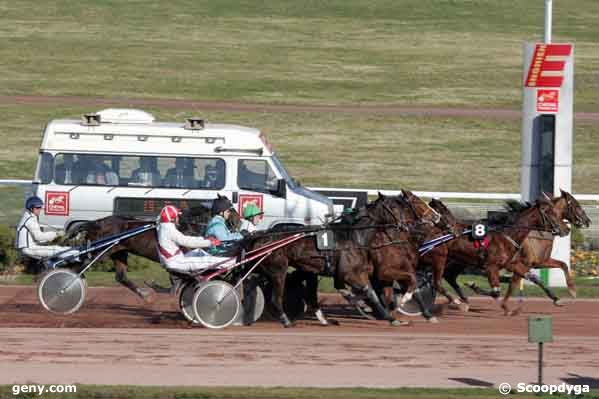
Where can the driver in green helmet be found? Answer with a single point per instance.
(251, 217)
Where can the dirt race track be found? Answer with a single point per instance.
(116, 339)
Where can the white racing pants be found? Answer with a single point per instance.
(197, 260)
(46, 251)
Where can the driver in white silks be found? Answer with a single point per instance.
(170, 241)
(30, 238)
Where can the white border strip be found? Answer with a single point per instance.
(449, 194)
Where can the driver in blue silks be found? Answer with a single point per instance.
(217, 227)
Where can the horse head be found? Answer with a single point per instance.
(447, 218)
(571, 210)
(420, 209)
(550, 215)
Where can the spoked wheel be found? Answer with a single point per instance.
(253, 303)
(186, 300)
(427, 293)
(216, 304)
(62, 291)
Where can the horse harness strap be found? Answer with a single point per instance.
(516, 245)
(541, 235)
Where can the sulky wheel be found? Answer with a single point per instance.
(427, 293)
(186, 300)
(216, 304)
(62, 291)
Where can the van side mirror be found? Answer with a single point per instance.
(281, 190)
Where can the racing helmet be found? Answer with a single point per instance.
(169, 213)
(34, 202)
(251, 210)
(221, 204)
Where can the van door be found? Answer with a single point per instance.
(259, 183)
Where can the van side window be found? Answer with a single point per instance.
(256, 175)
(46, 167)
(211, 173)
(139, 171)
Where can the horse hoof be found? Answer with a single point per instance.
(572, 292)
(398, 323)
(432, 320)
(334, 322)
(145, 295)
(289, 325)
(559, 303)
(464, 307)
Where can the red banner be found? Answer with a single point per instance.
(548, 64)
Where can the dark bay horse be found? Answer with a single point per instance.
(395, 252)
(523, 240)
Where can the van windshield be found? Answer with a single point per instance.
(139, 171)
(290, 182)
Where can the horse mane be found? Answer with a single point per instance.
(514, 206)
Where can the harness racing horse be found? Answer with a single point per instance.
(526, 232)
(536, 251)
(395, 252)
(143, 245)
(436, 258)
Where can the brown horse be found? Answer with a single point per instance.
(508, 242)
(536, 249)
(436, 259)
(394, 252)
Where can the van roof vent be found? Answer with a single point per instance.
(91, 120)
(194, 124)
(125, 115)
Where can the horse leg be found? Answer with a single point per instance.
(276, 271)
(531, 277)
(120, 265)
(513, 283)
(413, 292)
(438, 270)
(312, 298)
(553, 263)
(450, 275)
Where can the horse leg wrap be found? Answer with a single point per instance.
(285, 320)
(405, 298)
(321, 318)
(495, 292)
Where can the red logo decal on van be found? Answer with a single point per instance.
(57, 203)
(245, 199)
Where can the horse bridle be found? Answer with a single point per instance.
(419, 218)
(577, 220)
(556, 228)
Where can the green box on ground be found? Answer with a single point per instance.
(540, 329)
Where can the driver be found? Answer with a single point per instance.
(30, 238)
(251, 216)
(170, 241)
